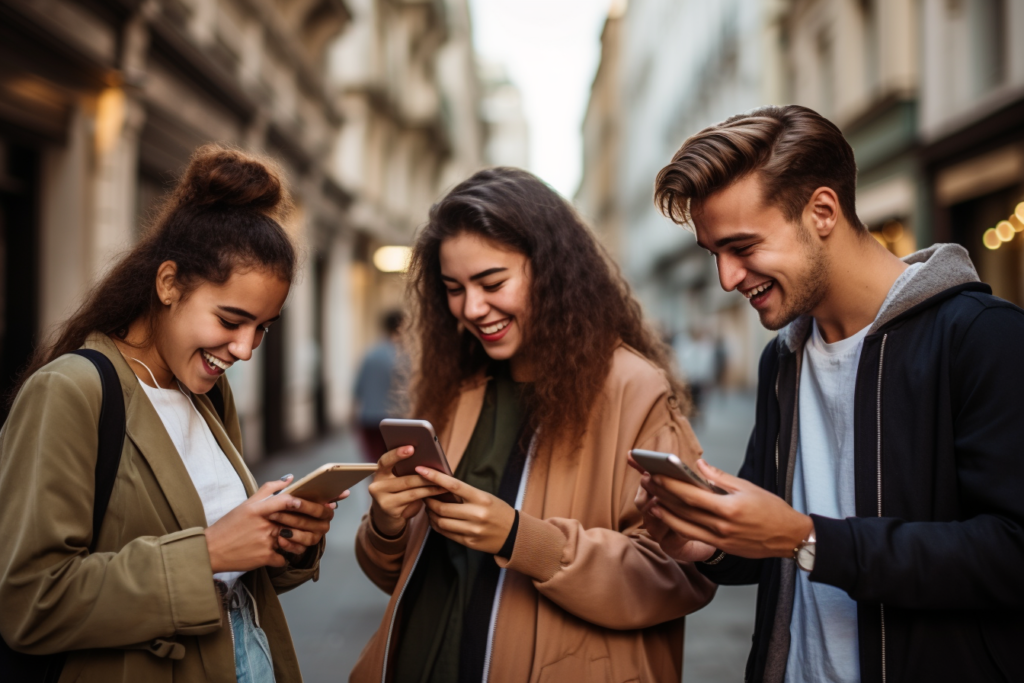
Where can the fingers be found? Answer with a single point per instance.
(634, 464)
(277, 503)
(691, 495)
(685, 528)
(462, 489)
(272, 487)
(293, 537)
(721, 478)
(293, 520)
(388, 460)
(397, 484)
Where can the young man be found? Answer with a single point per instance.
(881, 504)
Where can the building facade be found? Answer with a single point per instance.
(103, 101)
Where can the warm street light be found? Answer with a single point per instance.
(392, 259)
(991, 239)
(1005, 230)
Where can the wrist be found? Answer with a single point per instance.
(803, 527)
(385, 526)
(211, 550)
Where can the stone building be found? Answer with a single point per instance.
(102, 101)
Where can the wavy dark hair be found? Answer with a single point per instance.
(580, 306)
(224, 214)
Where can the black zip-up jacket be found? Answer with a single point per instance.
(935, 556)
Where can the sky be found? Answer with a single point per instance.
(551, 49)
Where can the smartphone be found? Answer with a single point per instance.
(669, 465)
(326, 483)
(428, 452)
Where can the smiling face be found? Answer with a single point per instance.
(200, 336)
(488, 291)
(780, 265)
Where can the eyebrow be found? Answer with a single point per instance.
(481, 274)
(725, 241)
(245, 314)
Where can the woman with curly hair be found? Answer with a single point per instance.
(535, 367)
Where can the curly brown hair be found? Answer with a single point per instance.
(580, 305)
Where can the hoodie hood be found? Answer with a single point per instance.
(943, 266)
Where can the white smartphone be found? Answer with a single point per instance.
(670, 465)
(326, 483)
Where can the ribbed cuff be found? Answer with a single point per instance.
(538, 549)
(384, 544)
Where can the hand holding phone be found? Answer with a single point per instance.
(669, 465)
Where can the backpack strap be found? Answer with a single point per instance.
(111, 437)
(216, 397)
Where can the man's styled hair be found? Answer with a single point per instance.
(793, 149)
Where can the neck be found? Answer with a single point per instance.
(862, 272)
(138, 346)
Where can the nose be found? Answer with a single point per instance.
(475, 305)
(241, 347)
(730, 272)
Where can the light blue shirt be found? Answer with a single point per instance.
(823, 643)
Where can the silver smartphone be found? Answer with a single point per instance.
(428, 452)
(670, 465)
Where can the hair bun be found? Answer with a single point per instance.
(219, 175)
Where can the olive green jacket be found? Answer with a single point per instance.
(143, 607)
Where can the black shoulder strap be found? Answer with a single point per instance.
(217, 399)
(111, 433)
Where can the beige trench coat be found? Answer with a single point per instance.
(143, 607)
(588, 596)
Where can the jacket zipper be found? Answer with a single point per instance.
(878, 466)
(520, 496)
(777, 484)
(394, 613)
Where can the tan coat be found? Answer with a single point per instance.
(143, 607)
(589, 595)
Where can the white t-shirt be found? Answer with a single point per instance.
(823, 639)
(216, 481)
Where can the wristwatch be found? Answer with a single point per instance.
(804, 553)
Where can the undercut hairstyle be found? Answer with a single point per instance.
(580, 307)
(793, 150)
(224, 215)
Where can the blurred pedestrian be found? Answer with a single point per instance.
(696, 357)
(176, 577)
(879, 507)
(378, 386)
(536, 368)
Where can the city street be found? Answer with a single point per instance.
(331, 620)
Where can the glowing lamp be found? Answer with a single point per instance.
(392, 259)
(991, 239)
(1005, 231)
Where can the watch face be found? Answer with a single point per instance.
(805, 557)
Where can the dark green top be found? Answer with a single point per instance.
(434, 605)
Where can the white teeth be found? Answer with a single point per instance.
(757, 290)
(215, 362)
(496, 327)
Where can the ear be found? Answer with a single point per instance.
(822, 211)
(167, 283)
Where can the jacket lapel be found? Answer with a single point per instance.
(145, 429)
(459, 430)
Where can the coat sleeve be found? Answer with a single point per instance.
(54, 594)
(618, 578)
(975, 562)
(380, 558)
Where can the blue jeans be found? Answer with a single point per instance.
(252, 651)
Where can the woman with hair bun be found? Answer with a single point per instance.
(535, 367)
(179, 582)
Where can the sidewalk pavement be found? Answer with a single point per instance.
(333, 619)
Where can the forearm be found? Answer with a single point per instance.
(380, 558)
(975, 564)
(154, 587)
(608, 578)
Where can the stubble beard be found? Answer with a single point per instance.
(808, 291)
